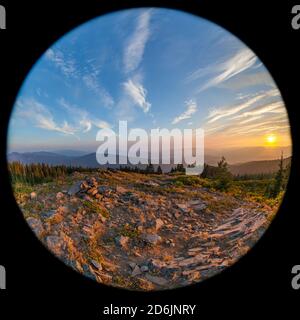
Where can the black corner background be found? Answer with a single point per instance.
(39, 285)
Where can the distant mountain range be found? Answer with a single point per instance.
(77, 158)
(257, 167)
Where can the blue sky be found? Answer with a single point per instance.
(156, 68)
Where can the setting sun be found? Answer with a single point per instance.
(271, 139)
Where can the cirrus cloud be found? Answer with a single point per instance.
(138, 94)
(191, 108)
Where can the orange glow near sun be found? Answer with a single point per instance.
(271, 139)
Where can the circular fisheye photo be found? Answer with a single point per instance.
(149, 149)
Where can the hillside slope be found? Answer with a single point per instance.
(140, 231)
(257, 167)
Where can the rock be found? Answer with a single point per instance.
(140, 228)
(88, 272)
(132, 265)
(200, 207)
(33, 195)
(158, 224)
(120, 189)
(36, 226)
(144, 268)
(103, 189)
(183, 207)
(192, 275)
(93, 181)
(122, 241)
(59, 195)
(157, 280)
(84, 185)
(137, 254)
(92, 191)
(193, 260)
(177, 215)
(63, 210)
(151, 238)
(136, 271)
(152, 184)
(78, 266)
(155, 264)
(75, 188)
(55, 244)
(96, 264)
(48, 214)
(170, 242)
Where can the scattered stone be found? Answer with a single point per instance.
(158, 224)
(132, 265)
(84, 185)
(155, 264)
(33, 195)
(104, 189)
(193, 260)
(192, 275)
(120, 189)
(92, 191)
(137, 254)
(96, 264)
(152, 184)
(35, 225)
(140, 228)
(177, 215)
(48, 214)
(136, 271)
(63, 210)
(122, 241)
(75, 188)
(170, 242)
(200, 207)
(151, 238)
(157, 280)
(183, 207)
(144, 268)
(59, 195)
(55, 244)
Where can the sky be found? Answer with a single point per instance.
(155, 68)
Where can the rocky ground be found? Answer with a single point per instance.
(142, 232)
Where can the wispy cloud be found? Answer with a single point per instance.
(224, 112)
(85, 120)
(66, 65)
(89, 74)
(41, 117)
(263, 113)
(222, 71)
(191, 108)
(135, 45)
(248, 80)
(138, 94)
(92, 83)
(275, 107)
